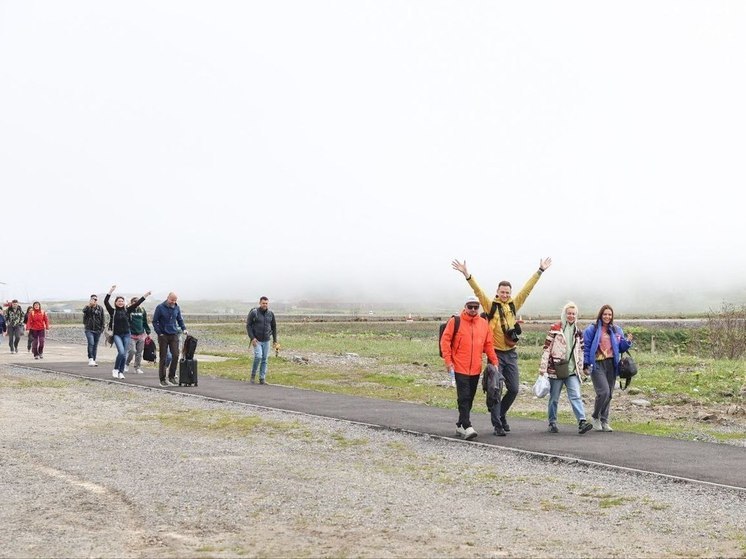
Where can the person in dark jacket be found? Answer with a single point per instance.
(167, 323)
(15, 320)
(29, 339)
(3, 327)
(94, 322)
(261, 326)
(120, 326)
(139, 330)
(603, 344)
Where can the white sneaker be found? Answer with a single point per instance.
(453, 384)
(115, 373)
(596, 424)
(95, 364)
(139, 371)
(126, 368)
(121, 375)
(460, 432)
(606, 427)
(470, 433)
(91, 362)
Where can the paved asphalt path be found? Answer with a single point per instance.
(704, 462)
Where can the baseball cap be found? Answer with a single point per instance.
(472, 300)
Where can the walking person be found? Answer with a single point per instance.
(261, 326)
(167, 323)
(120, 326)
(502, 316)
(94, 322)
(29, 339)
(562, 362)
(37, 325)
(139, 330)
(462, 355)
(3, 326)
(15, 320)
(604, 342)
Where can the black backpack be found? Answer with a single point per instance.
(442, 327)
(627, 369)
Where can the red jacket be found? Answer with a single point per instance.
(37, 320)
(473, 338)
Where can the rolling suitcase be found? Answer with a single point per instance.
(187, 372)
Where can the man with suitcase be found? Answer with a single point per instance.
(167, 321)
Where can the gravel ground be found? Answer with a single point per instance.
(94, 469)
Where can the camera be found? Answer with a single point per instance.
(514, 333)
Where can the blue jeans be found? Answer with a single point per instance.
(92, 338)
(261, 353)
(122, 341)
(573, 394)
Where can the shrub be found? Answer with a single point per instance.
(727, 332)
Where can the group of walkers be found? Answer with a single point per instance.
(14, 321)
(129, 331)
(570, 354)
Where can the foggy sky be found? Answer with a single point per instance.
(351, 150)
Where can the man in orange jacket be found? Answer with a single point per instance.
(462, 354)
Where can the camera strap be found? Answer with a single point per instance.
(503, 319)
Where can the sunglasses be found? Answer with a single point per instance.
(472, 307)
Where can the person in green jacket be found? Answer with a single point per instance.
(502, 315)
(140, 330)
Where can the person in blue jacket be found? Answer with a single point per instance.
(168, 323)
(603, 344)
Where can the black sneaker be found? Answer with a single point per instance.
(261, 381)
(506, 427)
(584, 427)
(499, 432)
(553, 428)
(164, 383)
(173, 382)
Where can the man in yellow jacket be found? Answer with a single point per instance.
(502, 312)
(462, 347)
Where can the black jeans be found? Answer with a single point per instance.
(166, 341)
(466, 389)
(509, 368)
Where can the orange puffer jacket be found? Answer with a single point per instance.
(464, 353)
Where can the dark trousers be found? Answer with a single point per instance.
(466, 389)
(166, 342)
(14, 336)
(508, 366)
(37, 343)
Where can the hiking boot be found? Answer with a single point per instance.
(606, 427)
(596, 423)
(553, 428)
(499, 432)
(460, 432)
(91, 362)
(505, 425)
(115, 373)
(172, 382)
(163, 383)
(584, 427)
(470, 433)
